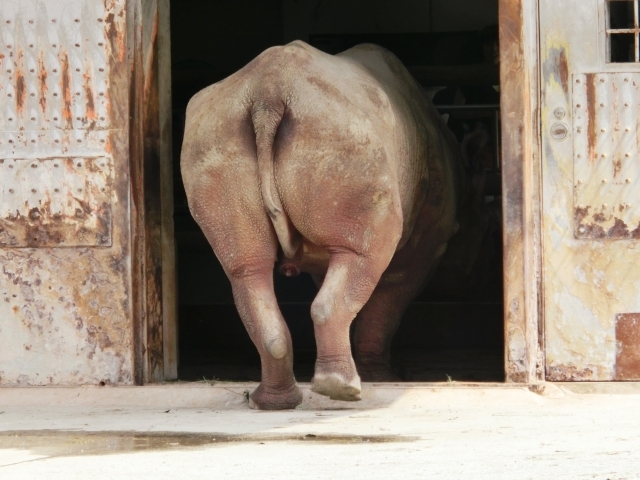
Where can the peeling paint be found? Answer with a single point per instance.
(569, 373)
(55, 202)
(55, 310)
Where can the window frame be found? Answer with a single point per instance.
(616, 31)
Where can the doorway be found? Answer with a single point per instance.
(442, 337)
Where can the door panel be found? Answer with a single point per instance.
(65, 282)
(591, 192)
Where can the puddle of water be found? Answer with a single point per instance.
(74, 443)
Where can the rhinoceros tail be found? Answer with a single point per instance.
(266, 118)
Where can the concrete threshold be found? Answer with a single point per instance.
(234, 395)
(221, 395)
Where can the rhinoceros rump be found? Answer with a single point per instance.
(344, 165)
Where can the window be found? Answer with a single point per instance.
(622, 31)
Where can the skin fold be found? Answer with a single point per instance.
(342, 164)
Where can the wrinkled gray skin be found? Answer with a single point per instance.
(343, 164)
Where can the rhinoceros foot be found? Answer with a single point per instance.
(336, 387)
(266, 398)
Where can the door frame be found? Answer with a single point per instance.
(153, 256)
(521, 190)
(153, 249)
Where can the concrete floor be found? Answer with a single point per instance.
(450, 430)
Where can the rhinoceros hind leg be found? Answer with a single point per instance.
(261, 316)
(350, 280)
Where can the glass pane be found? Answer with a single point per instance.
(622, 47)
(620, 14)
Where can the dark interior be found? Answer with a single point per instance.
(442, 337)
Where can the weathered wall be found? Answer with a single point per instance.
(590, 178)
(65, 280)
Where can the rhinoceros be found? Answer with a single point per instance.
(340, 165)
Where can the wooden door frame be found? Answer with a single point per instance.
(151, 164)
(153, 251)
(521, 190)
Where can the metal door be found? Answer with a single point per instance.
(65, 276)
(590, 124)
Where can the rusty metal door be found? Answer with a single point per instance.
(590, 124)
(65, 278)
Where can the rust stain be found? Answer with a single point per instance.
(66, 91)
(115, 38)
(592, 135)
(627, 346)
(568, 373)
(587, 229)
(619, 230)
(118, 95)
(563, 70)
(42, 69)
(32, 231)
(91, 110)
(581, 213)
(41, 226)
(617, 167)
(110, 27)
(91, 290)
(21, 90)
(616, 108)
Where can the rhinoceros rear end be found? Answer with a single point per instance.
(340, 163)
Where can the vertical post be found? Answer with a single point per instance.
(169, 297)
(152, 193)
(136, 147)
(520, 186)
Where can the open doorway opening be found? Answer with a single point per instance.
(451, 48)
